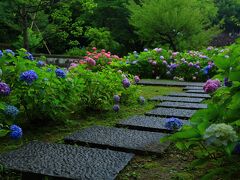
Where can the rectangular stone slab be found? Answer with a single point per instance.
(196, 91)
(194, 95)
(66, 161)
(182, 105)
(154, 82)
(176, 99)
(193, 88)
(171, 112)
(147, 123)
(119, 139)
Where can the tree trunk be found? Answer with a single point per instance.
(25, 33)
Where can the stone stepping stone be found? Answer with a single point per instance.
(66, 161)
(196, 91)
(146, 123)
(176, 99)
(182, 105)
(119, 139)
(169, 83)
(171, 112)
(193, 88)
(194, 95)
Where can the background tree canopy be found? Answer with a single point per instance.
(120, 26)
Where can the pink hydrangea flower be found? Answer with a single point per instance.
(211, 86)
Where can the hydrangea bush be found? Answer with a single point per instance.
(213, 134)
(32, 91)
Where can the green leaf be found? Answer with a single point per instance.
(3, 132)
(234, 75)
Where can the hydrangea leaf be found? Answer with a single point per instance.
(3, 132)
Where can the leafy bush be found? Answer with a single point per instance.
(36, 93)
(213, 134)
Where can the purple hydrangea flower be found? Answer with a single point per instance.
(40, 64)
(173, 124)
(211, 85)
(116, 107)
(29, 76)
(136, 79)
(164, 62)
(190, 64)
(1, 53)
(60, 73)
(126, 83)
(9, 51)
(116, 98)
(4, 89)
(16, 132)
(29, 56)
(154, 63)
(11, 111)
(162, 57)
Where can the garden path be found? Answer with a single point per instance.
(105, 151)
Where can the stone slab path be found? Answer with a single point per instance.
(193, 88)
(111, 147)
(194, 95)
(66, 161)
(146, 123)
(177, 99)
(171, 112)
(196, 91)
(169, 83)
(182, 105)
(119, 139)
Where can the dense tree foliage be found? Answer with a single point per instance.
(181, 24)
(57, 26)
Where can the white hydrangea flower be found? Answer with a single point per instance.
(220, 135)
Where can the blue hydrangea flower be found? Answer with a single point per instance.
(116, 107)
(16, 132)
(4, 89)
(173, 124)
(145, 50)
(29, 76)
(206, 70)
(11, 111)
(227, 82)
(60, 73)
(49, 70)
(29, 56)
(9, 51)
(1, 53)
(40, 64)
(116, 98)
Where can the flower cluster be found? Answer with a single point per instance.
(15, 132)
(116, 107)
(211, 85)
(220, 135)
(126, 83)
(116, 98)
(4, 89)
(11, 111)
(60, 73)
(173, 124)
(29, 56)
(29, 76)
(136, 79)
(40, 64)
(227, 82)
(1, 53)
(9, 52)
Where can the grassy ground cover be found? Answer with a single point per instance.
(55, 133)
